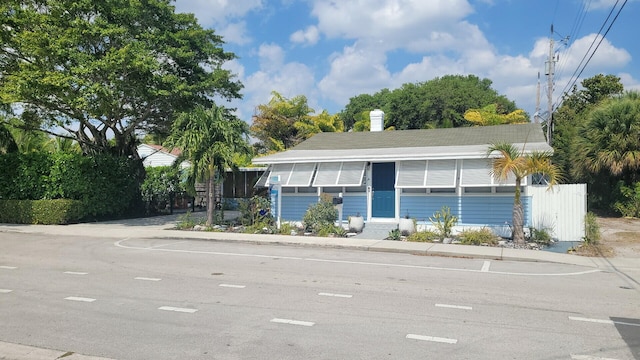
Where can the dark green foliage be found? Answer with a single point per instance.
(106, 185)
(160, 186)
(627, 199)
(55, 211)
(25, 176)
(436, 103)
(319, 215)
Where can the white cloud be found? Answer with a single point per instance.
(220, 14)
(271, 57)
(235, 33)
(606, 56)
(355, 71)
(309, 36)
(409, 24)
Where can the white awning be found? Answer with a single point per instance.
(477, 172)
(427, 173)
(340, 174)
(292, 174)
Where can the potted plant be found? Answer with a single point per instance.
(356, 223)
(407, 225)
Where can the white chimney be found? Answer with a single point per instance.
(377, 120)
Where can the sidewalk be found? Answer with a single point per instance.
(161, 227)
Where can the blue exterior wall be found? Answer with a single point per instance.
(477, 210)
(294, 206)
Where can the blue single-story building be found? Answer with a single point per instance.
(386, 175)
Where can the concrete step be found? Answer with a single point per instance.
(376, 230)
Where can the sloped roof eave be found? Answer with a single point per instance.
(386, 154)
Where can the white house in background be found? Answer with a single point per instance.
(385, 175)
(156, 155)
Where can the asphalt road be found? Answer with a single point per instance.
(189, 299)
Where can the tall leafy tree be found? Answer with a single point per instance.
(440, 102)
(210, 138)
(105, 69)
(283, 123)
(510, 162)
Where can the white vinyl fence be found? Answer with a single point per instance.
(561, 210)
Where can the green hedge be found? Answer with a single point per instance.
(106, 186)
(55, 211)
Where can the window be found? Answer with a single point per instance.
(292, 174)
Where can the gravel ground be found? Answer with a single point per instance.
(620, 237)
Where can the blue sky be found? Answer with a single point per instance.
(332, 50)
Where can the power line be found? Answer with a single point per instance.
(579, 70)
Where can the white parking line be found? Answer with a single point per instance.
(293, 322)
(163, 245)
(232, 286)
(120, 243)
(5, 291)
(177, 309)
(455, 306)
(602, 321)
(485, 266)
(335, 295)
(82, 299)
(432, 338)
(147, 278)
(75, 273)
(589, 357)
(8, 267)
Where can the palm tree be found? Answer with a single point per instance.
(610, 140)
(510, 162)
(209, 139)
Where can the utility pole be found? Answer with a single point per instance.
(550, 69)
(536, 115)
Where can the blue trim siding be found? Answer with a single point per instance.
(352, 205)
(294, 206)
(477, 210)
(423, 207)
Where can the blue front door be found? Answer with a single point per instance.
(383, 178)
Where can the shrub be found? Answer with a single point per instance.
(188, 221)
(394, 235)
(628, 199)
(160, 185)
(255, 210)
(56, 211)
(319, 215)
(444, 221)
(592, 229)
(540, 236)
(478, 237)
(423, 236)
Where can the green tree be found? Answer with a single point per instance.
(209, 138)
(283, 123)
(510, 162)
(572, 115)
(441, 102)
(610, 140)
(106, 69)
(7, 142)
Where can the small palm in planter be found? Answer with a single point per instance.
(407, 226)
(356, 223)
